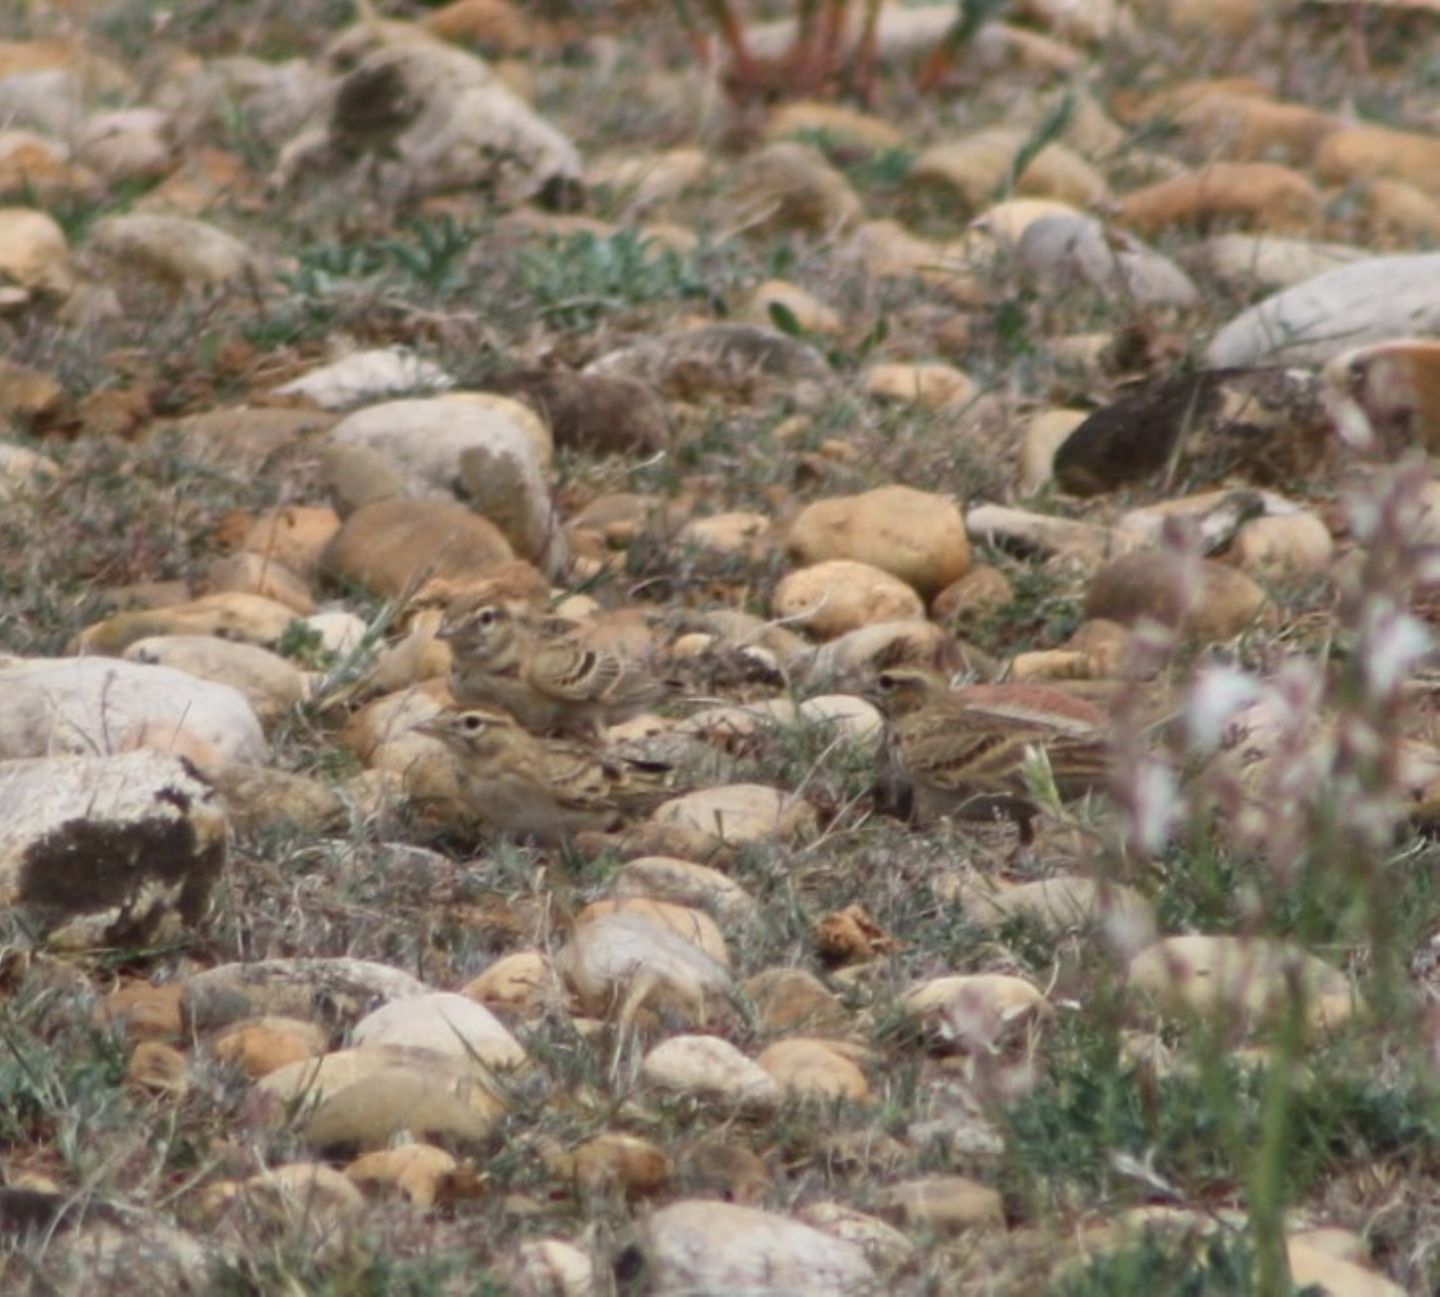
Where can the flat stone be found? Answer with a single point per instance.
(712, 1070)
(741, 813)
(456, 1026)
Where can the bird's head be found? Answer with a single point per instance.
(466, 731)
(902, 690)
(486, 632)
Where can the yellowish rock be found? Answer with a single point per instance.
(807, 310)
(159, 1068)
(972, 171)
(1263, 194)
(816, 1069)
(664, 878)
(727, 533)
(830, 598)
(741, 813)
(523, 982)
(1249, 977)
(272, 685)
(792, 999)
(295, 536)
(693, 925)
(834, 121)
(916, 536)
(1057, 904)
(33, 251)
(247, 618)
(1297, 542)
(950, 1203)
(1361, 152)
(1152, 585)
(790, 186)
(1401, 213)
(614, 1160)
(935, 386)
(415, 1170)
(259, 1046)
(247, 573)
(1045, 432)
(174, 251)
(708, 1068)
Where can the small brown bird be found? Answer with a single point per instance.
(537, 671)
(542, 788)
(960, 760)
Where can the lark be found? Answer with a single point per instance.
(536, 670)
(547, 789)
(962, 761)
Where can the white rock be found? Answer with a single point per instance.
(551, 1267)
(173, 250)
(626, 956)
(89, 705)
(33, 250)
(368, 376)
(445, 1023)
(339, 631)
(1273, 263)
(721, 1249)
(1367, 301)
(126, 144)
(107, 850)
(740, 812)
(1061, 251)
(272, 684)
(706, 1067)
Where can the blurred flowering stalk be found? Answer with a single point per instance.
(1301, 776)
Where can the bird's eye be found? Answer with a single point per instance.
(488, 617)
(472, 723)
(885, 681)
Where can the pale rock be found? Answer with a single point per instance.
(1061, 252)
(694, 925)
(1367, 301)
(910, 641)
(392, 720)
(704, 1248)
(613, 1160)
(159, 1068)
(733, 361)
(266, 797)
(1335, 1275)
(1263, 194)
(1251, 978)
(298, 988)
(1248, 128)
(1006, 222)
(246, 439)
(1208, 519)
(524, 982)
(832, 121)
(1363, 152)
(174, 251)
(142, 1253)
(418, 1171)
(814, 1069)
(364, 376)
(293, 536)
(972, 171)
(684, 882)
(976, 1014)
(979, 593)
(727, 533)
(393, 546)
(1297, 543)
(1250, 261)
(307, 1197)
(645, 181)
(711, 1069)
(886, 250)
(627, 958)
(23, 471)
(883, 1244)
(314, 1078)
(41, 167)
(272, 685)
(126, 144)
(728, 723)
(33, 251)
(949, 1203)
(808, 311)
(87, 705)
(1058, 904)
(933, 385)
(250, 573)
(552, 1267)
(914, 535)
(340, 632)
(415, 1097)
(741, 813)
(108, 850)
(452, 125)
(261, 1045)
(790, 186)
(1400, 213)
(1205, 600)
(144, 1011)
(998, 524)
(792, 999)
(249, 618)
(456, 1026)
(844, 717)
(832, 597)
